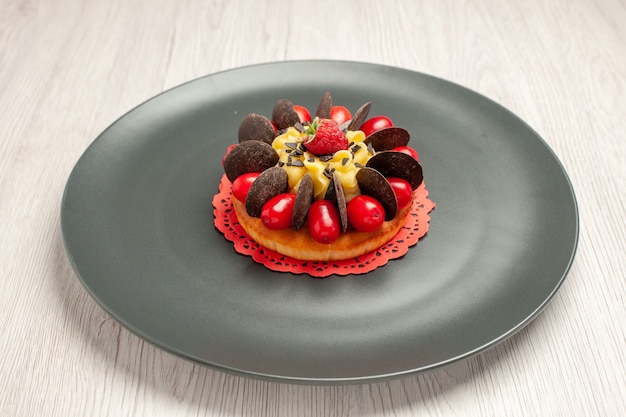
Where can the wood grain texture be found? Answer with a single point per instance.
(70, 68)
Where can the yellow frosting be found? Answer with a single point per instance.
(344, 163)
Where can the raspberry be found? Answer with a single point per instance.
(325, 138)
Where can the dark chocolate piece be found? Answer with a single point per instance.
(388, 138)
(360, 116)
(335, 193)
(374, 184)
(304, 197)
(284, 115)
(256, 127)
(323, 108)
(249, 156)
(270, 183)
(398, 164)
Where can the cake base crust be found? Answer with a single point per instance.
(300, 245)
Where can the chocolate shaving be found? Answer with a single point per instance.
(328, 172)
(296, 163)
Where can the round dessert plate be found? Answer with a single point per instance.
(137, 224)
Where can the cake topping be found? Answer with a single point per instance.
(333, 158)
(300, 160)
(249, 156)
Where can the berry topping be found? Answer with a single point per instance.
(303, 113)
(323, 220)
(277, 213)
(242, 184)
(325, 137)
(340, 114)
(365, 213)
(403, 191)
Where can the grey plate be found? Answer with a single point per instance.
(138, 228)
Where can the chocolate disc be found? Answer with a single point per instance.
(256, 127)
(335, 194)
(360, 116)
(374, 184)
(388, 138)
(304, 197)
(270, 183)
(249, 156)
(284, 115)
(398, 164)
(323, 108)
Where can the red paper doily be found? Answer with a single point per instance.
(414, 228)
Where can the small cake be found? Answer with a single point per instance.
(325, 188)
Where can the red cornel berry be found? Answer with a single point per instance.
(340, 114)
(303, 113)
(375, 124)
(324, 221)
(242, 185)
(407, 150)
(365, 213)
(403, 191)
(277, 213)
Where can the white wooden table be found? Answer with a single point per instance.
(69, 68)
